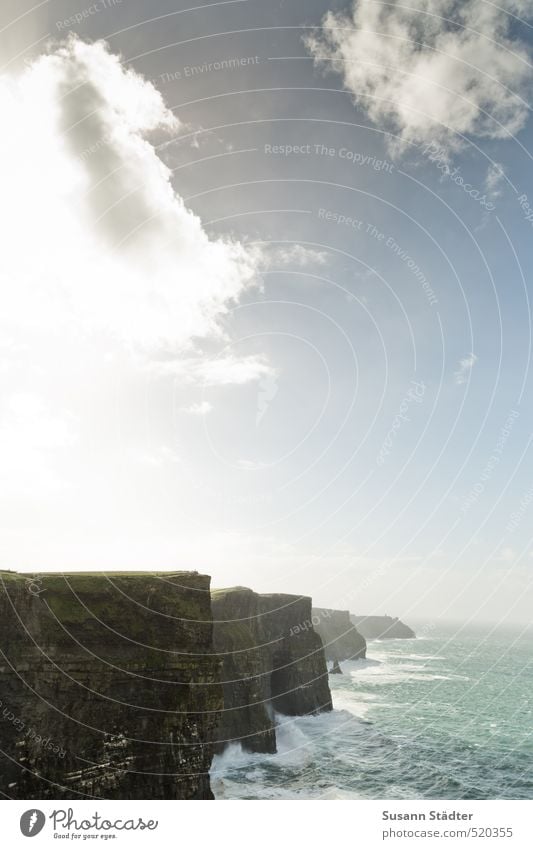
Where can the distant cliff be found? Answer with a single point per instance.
(272, 660)
(108, 684)
(341, 640)
(382, 628)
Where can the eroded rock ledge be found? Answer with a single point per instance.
(342, 641)
(109, 686)
(272, 660)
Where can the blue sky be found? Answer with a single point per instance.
(268, 317)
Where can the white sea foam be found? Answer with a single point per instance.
(237, 773)
(294, 746)
(233, 757)
(228, 789)
(396, 668)
(423, 657)
(356, 703)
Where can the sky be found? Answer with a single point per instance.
(265, 277)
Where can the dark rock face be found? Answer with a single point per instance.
(341, 640)
(109, 686)
(272, 660)
(335, 669)
(382, 628)
(247, 714)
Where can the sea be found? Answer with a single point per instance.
(443, 716)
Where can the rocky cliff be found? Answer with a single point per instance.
(341, 640)
(272, 660)
(108, 684)
(382, 628)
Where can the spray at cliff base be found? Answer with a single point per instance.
(447, 717)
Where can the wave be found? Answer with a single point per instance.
(356, 703)
(302, 743)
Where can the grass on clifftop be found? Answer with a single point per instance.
(221, 591)
(183, 596)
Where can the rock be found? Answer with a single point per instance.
(341, 640)
(109, 686)
(272, 660)
(382, 628)
(335, 669)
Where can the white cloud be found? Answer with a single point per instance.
(267, 391)
(251, 465)
(424, 77)
(94, 238)
(465, 367)
(202, 408)
(219, 371)
(162, 456)
(296, 255)
(104, 271)
(494, 179)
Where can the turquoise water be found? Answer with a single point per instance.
(444, 717)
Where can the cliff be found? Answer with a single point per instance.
(109, 686)
(341, 640)
(272, 660)
(382, 628)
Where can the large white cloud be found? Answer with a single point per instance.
(104, 272)
(94, 235)
(431, 69)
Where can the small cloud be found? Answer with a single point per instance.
(159, 457)
(507, 554)
(465, 367)
(220, 371)
(493, 180)
(200, 409)
(251, 465)
(296, 255)
(268, 389)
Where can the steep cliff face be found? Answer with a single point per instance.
(247, 715)
(342, 641)
(272, 660)
(109, 686)
(382, 628)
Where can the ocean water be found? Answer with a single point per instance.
(449, 716)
